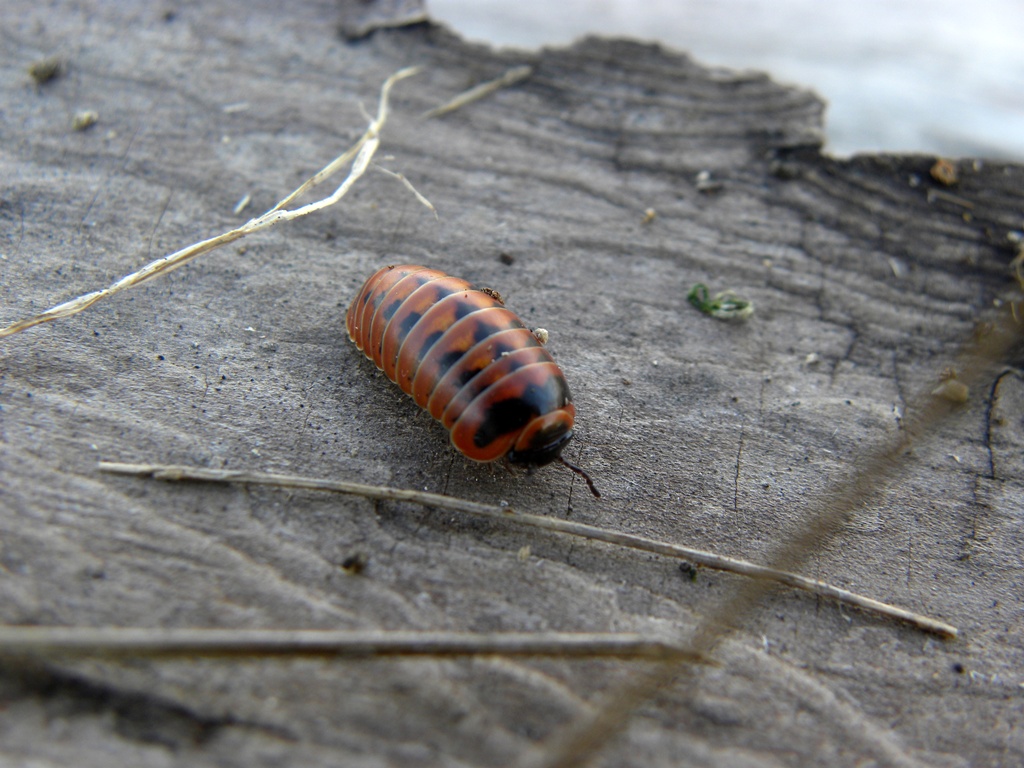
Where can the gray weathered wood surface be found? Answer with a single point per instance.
(698, 431)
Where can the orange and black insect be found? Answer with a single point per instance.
(471, 363)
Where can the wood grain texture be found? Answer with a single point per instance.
(701, 432)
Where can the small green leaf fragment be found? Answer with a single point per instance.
(723, 306)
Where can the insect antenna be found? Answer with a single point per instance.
(584, 475)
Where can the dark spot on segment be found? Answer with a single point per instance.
(447, 361)
(553, 394)
(440, 292)
(468, 372)
(428, 342)
(467, 375)
(464, 308)
(548, 394)
(418, 280)
(564, 395)
(484, 330)
(505, 416)
(515, 364)
(408, 323)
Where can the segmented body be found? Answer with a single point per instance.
(469, 361)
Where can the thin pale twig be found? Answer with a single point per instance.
(138, 641)
(408, 185)
(359, 155)
(568, 527)
(477, 92)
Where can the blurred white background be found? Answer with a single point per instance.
(934, 76)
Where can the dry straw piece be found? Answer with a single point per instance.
(556, 525)
(477, 92)
(358, 155)
(117, 642)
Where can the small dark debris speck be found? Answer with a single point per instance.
(354, 563)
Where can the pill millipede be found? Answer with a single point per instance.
(469, 362)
